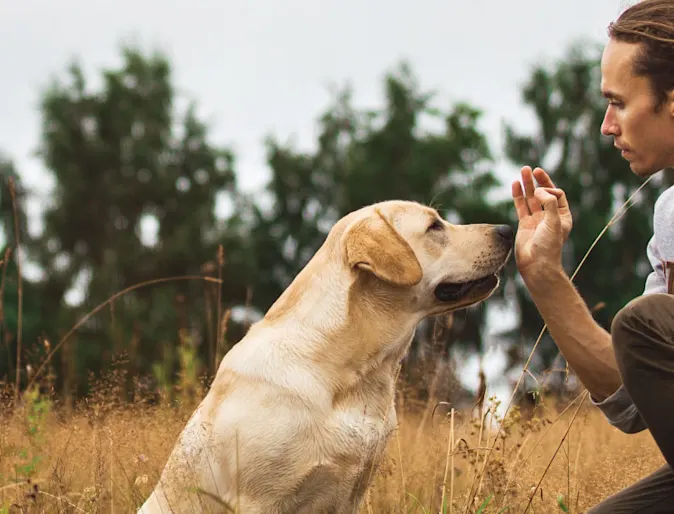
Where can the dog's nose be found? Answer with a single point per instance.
(506, 232)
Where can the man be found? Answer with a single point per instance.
(628, 372)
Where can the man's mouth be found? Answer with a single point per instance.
(451, 292)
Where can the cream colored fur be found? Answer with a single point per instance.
(300, 412)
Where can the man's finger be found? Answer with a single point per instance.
(557, 193)
(550, 205)
(519, 200)
(562, 201)
(546, 182)
(529, 188)
(543, 178)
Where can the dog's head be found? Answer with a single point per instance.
(407, 250)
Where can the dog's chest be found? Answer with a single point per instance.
(359, 435)
(365, 425)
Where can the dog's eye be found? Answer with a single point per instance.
(436, 225)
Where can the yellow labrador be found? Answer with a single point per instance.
(299, 414)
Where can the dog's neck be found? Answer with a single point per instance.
(344, 322)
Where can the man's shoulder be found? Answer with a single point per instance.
(665, 200)
(663, 227)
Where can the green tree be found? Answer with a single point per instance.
(12, 211)
(8, 204)
(124, 158)
(567, 102)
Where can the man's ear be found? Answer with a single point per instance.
(373, 245)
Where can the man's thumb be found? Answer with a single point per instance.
(548, 200)
(549, 203)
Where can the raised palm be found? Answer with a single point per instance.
(541, 233)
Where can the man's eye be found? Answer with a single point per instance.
(436, 225)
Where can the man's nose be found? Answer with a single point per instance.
(609, 127)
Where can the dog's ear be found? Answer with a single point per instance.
(372, 244)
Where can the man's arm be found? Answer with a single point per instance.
(544, 224)
(584, 344)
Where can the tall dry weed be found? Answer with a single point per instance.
(103, 454)
(106, 455)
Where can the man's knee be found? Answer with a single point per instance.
(626, 321)
(642, 307)
(645, 316)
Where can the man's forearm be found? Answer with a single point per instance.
(584, 344)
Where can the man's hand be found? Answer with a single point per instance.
(544, 222)
(544, 225)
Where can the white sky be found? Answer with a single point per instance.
(266, 68)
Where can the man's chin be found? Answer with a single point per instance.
(642, 171)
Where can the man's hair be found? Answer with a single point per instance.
(650, 23)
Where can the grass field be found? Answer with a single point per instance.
(105, 456)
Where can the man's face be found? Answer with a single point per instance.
(644, 135)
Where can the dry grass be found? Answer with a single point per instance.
(105, 456)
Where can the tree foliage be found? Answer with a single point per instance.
(123, 160)
(127, 163)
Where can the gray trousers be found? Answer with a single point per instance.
(643, 340)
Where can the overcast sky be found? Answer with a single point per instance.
(265, 68)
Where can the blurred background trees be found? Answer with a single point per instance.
(137, 183)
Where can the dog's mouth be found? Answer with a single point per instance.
(452, 292)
